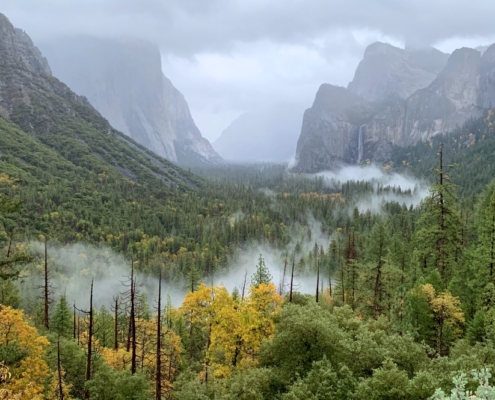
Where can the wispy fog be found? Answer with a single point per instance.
(247, 259)
(73, 266)
(385, 186)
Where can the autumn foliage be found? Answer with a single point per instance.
(24, 374)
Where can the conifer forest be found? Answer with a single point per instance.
(347, 298)
(139, 261)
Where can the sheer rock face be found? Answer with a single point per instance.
(18, 52)
(66, 123)
(463, 89)
(328, 128)
(387, 72)
(123, 80)
(450, 100)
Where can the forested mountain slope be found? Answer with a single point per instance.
(470, 149)
(47, 109)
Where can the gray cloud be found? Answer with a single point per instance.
(192, 26)
(232, 56)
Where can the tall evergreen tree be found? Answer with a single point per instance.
(262, 274)
(485, 223)
(439, 238)
(62, 319)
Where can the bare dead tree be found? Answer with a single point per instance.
(292, 276)
(46, 291)
(89, 359)
(133, 327)
(75, 321)
(282, 281)
(59, 370)
(116, 323)
(158, 341)
(46, 288)
(315, 256)
(243, 293)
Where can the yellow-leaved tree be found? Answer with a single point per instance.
(448, 316)
(22, 356)
(232, 330)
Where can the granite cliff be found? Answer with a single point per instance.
(394, 109)
(64, 127)
(123, 80)
(387, 72)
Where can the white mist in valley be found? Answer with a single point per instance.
(412, 191)
(245, 263)
(74, 266)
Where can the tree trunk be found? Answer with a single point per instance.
(378, 279)
(116, 325)
(292, 277)
(159, 342)
(441, 244)
(75, 321)
(244, 287)
(46, 290)
(317, 280)
(90, 340)
(59, 370)
(133, 328)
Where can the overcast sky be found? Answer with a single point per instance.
(232, 56)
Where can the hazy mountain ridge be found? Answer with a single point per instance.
(59, 119)
(387, 72)
(124, 81)
(267, 135)
(463, 89)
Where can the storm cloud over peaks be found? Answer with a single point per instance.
(194, 26)
(229, 57)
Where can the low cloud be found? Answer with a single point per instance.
(385, 187)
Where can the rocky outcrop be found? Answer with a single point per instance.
(66, 124)
(387, 72)
(449, 101)
(328, 129)
(464, 89)
(17, 50)
(486, 95)
(268, 135)
(123, 80)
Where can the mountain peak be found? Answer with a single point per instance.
(377, 48)
(337, 98)
(123, 80)
(16, 46)
(387, 72)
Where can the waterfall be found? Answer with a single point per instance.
(362, 129)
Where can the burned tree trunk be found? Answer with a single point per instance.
(158, 376)
(116, 325)
(59, 370)
(46, 294)
(90, 340)
(75, 321)
(133, 328)
(292, 277)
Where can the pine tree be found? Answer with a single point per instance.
(62, 319)
(262, 274)
(439, 238)
(376, 253)
(485, 222)
(104, 327)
